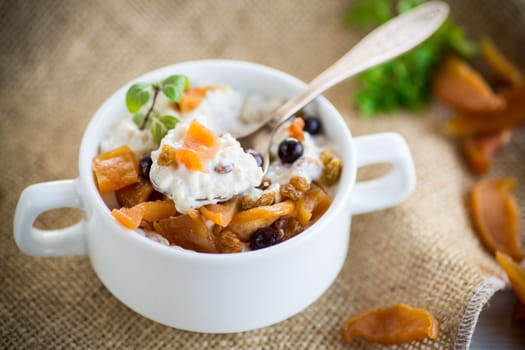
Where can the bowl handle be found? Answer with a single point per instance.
(37, 199)
(388, 190)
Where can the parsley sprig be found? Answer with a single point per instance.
(404, 82)
(139, 94)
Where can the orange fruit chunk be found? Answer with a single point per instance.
(191, 99)
(199, 135)
(190, 159)
(460, 86)
(312, 205)
(479, 149)
(500, 64)
(295, 129)
(157, 210)
(512, 115)
(128, 217)
(495, 215)
(220, 214)
(244, 223)
(397, 324)
(134, 194)
(516, 274)
(187, 231)
(115, 169)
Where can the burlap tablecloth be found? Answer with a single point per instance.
(61, 59)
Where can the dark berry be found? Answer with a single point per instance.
(264, 237)
(312, 125)
(145, 165)
(258, 157)
(290, 150)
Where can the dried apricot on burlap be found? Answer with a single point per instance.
(516, 274)
(115, 169)
(461, 87)
(397, 324)
(511, 116)
(244, 223)
(495, 215)
(187, 231)
(500, 64)
(479, 149)
(221, 214)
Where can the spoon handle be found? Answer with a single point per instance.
(388, 41)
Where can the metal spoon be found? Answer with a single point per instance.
(388, 41)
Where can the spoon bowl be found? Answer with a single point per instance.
(388, 41)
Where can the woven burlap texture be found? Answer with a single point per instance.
(61, 60)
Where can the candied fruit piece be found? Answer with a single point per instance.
(187, 231)
(191, 99)
(190, 159)
(156, 210)
(115, 169)
(460, 86)
(479, 150)
(295, 130)
(244, 223)
(397, 324)
(220, 214)
(134, 194)
(312, 205)
(128, 217)
(199, 135)
(495, 216)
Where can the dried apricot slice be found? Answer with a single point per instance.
(500, 64)
(199, 135)
(128, 217)
(115, 169)
(187, 231)
(513, 115)
(221, 214)
(515, 272)
(191, 99)
(244, 223)
(479, 149)
(392, 325)
(156, 210)
(227, 242)
(312, 205)
(295, 129)
(495, 215)
(460, 86)
(134, 194)
(190, 159)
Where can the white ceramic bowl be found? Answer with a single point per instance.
(216, 293)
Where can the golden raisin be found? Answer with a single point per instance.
(289, 191)
(326, 155)
(331, 171)
(167, 156)
(227, 242)
(300, 183)
(246, 202)
(265, 199)
(288, 227)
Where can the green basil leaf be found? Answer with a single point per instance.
(137, 96)
(138, 118)
(174, 85)
(169, 121)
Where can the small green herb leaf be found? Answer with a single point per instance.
(174, 85)
(159, 126)
(137, 96)
(138, 118)
(368, 13)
